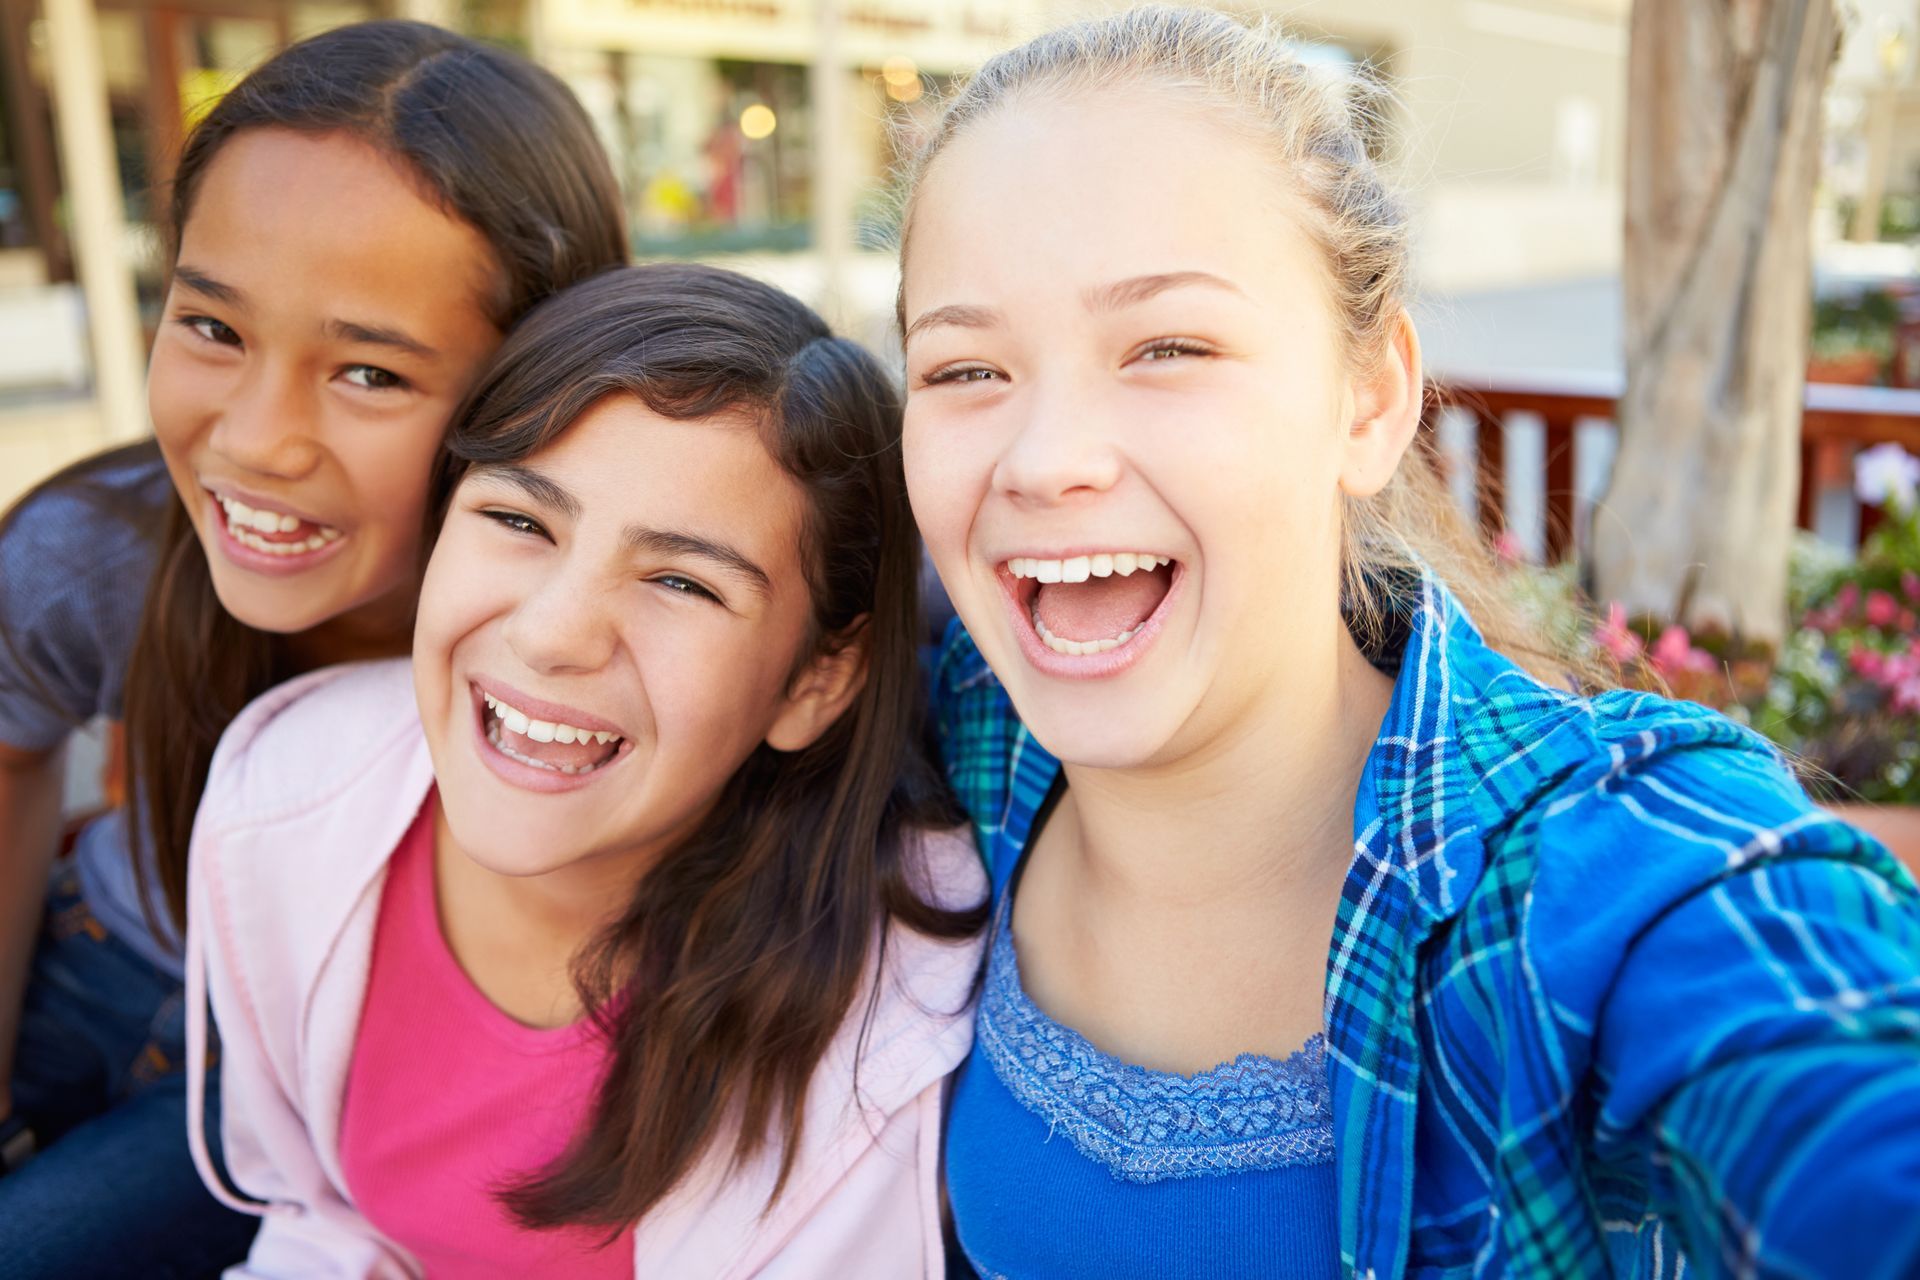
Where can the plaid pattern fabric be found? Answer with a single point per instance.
(1607, 995)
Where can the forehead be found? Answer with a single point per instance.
(330, 222)
(713, 477)
(1047, 190)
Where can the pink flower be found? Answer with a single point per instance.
(1905, 698)
(1622, 644)
(1846, 601)
(1673, 653)
(1868, 663)
(1910, 585)
(1882, 609)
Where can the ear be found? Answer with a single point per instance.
(826, 687)
(1386, 413)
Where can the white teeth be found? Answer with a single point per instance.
(246, 523)
(1080, 568)
(519, 722)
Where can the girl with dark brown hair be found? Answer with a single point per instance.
(354, 227)
(632, 944)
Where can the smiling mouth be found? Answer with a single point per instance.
(1091, 604)
(270, 532)
(548, 745)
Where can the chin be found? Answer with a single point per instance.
(1079, 730)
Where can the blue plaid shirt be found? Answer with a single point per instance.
(1605, 987)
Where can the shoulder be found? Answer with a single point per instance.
(90, 519)
(76, 555)
(915, 1023)
(314, 741)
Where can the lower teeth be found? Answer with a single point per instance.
(493, 736)
(1079, 648)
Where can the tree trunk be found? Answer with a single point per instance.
(1723, 145)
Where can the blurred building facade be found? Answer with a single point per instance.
(760, 132)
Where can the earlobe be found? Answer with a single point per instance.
(1386, 413)
(820, 693)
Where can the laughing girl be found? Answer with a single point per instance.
(354, 227)
(1329, 939)
(631, 950)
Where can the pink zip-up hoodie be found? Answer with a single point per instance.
(310, 791)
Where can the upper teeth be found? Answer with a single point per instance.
(242, 516)
(544, 730)
(1080, 568)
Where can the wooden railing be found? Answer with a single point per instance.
(1837, 421)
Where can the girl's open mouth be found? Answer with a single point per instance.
(1089, 614)
(536, 739)
(269, 540)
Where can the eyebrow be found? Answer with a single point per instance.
(380, 336)
(673, 542)
(1133, 292)
(959, 315)
(202, 283)
(642, 538)
(1112, 297)
(530, 482)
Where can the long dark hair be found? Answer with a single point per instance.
(723, 982)
(506, 148)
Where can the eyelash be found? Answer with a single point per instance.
(529, 527)
(687, 586)
(221, 334)
(1184, 346)
(959, 373)
(193, 324)
(517, 523)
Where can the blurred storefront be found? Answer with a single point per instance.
(713, 109)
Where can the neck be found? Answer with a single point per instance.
(1263, 807)
(517, 936)
(381, 628)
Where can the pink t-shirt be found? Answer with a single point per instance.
(448, 1098)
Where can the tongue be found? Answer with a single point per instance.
(1102, 608)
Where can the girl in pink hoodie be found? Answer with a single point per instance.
(629, 945)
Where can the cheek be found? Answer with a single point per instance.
(459, 593)
(181, 395)
(388, 469)
(946, 476)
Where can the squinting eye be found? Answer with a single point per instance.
(212, 330)
(1170, 350)
(685, 586)
(970, 373)
(515, 521)
(373, 378)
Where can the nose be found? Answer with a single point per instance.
(1061, 449)
(563, 625)
(270, 425)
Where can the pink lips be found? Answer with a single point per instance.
(264, 562)
(525, 776)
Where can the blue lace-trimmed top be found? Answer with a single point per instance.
(1064, 1161)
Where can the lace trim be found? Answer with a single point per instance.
(1146, 1126)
